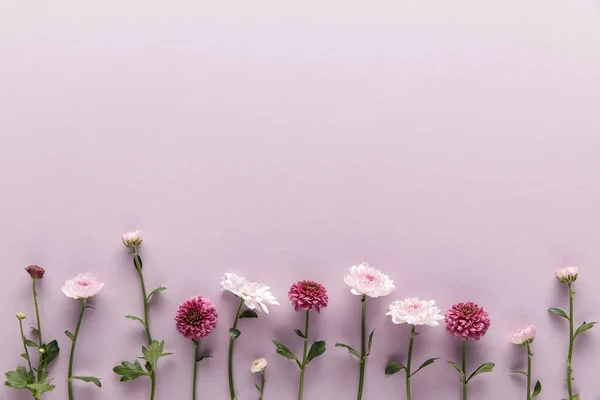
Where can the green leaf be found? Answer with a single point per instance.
(154, 352)
(457, 367)
(299, 333)
(70, 336)
(519, 372)
(39, 388)
(559, 312)
(130, 371)
(485, 367)
(19, 378)
(370, 343)
(35, 330)
(200, 358)
(393, 366)
(350, 349)
(284, 351)
(133, 317)
(425, 364)
(50, 354)
(25, 356)
(234, 333)
(155, 291)
(584, 327)
(249, 314)
(537, 389)
(30, 343)
(89, 379)
(137, 261)
(317, 349)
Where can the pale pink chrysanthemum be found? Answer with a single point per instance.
(83, 286)
(132, 239)
(196, 318)
(523, 336)
(306, 295)
(567, 274)
(467, 321)
(368, 281)
(413, 311)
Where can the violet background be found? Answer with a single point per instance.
(453, 144)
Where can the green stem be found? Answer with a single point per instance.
(571, 343)
(413, 333)
(197, 345)
(230, 360)
(73, 343)
(153, 387)
(464, 369)
(24, 345)
(304, 354)
(138, 268)
(363, 348)
(39, 329)
(262, 385)
(529, 355)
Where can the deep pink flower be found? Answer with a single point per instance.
(306, 295)
(35, 272)
(196, 318)
(467, 321)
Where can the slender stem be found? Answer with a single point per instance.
(413, 333)
(262, 385)
(571, 342)
(73, 343)
(197, 345)
(24, 345)
(363, 348)
(464, 368)
(529, 355)
(230, 361)
(138, 268)
(304, 354)
(153, 385)
(39, 329)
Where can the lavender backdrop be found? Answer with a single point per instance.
(453, 144)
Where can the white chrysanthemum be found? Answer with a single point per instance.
(256, 295)
(567, 274)
(415, 312)
(258, 365)
(132, 239)
(83, 286)
(366, 280)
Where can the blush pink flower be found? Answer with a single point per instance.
(567, 274)
(413, 311)
(132, 239)
(196, 318)
(306, 295)
(523, 336)
(83, 286)
(467, 321)
(368, 281)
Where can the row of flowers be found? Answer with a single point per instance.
(197, 317)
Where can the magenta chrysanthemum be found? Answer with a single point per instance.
(306, 295)
(467, 321)
(196, 318)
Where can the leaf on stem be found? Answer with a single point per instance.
(485, 367)
(537, 389)
(370, 343)
(130, 371)
(234, 333)
(70, 335)
(350, 349)
(299, 333)
(425, 364)
(25, 356)
(249, 314)
(30, 343)
(393, 366)
(133, 317)
(39, 388)
(317, 349)
(457, 367)
(284, 351)
(153, 353)
(137, 261)
(584, 327)
(156, 291)
(19, 378)
(559, 312)
(200, 358)
(89, 379)
(50, 354)
(519, 372)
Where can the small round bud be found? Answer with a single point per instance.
(41, 350)
(21, 315)
(35, 272)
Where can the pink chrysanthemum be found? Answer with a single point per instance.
(523, 336)
(467, 321)
(196, 318)
(306, 295)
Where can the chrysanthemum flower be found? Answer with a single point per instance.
(467, 321)
(567, 274)
(258, 365)
(35, 272)
(83, 286)
(306, 295)
(368, 281)
(132, 239)
(196, 318)
(415, 312)
(256, 295)
(522, 337)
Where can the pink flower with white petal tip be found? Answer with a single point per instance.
(567, 274)
(368, 281)
(523, 336)
(83, 286)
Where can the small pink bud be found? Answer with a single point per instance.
(567, 274)
(35, 272)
